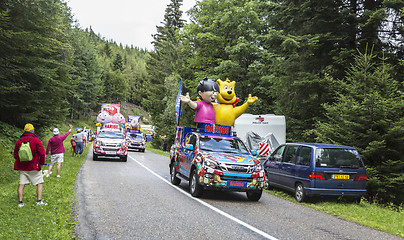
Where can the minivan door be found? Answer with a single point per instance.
(272, 165)
(287, 167)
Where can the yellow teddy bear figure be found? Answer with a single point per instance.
(226, 111)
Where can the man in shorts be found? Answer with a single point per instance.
(55, 145)
(30, 171)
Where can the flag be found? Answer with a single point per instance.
(178, 104)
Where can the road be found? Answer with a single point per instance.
(135, 200)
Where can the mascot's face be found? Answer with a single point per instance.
(104, 117)
(118, 118)
(227, 94)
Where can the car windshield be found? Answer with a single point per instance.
(114, 135)
(137, 136)
(233, 145)
(338, 158)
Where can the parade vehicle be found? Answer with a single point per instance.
(110, 143)
(136, 140)
(211, 158)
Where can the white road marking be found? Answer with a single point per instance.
(208, 205)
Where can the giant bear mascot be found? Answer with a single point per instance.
(226, 111)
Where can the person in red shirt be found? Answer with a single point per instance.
(30, 171)
(55, 145)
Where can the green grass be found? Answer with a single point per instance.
(57, 220)
(368, 214)
(54, 221)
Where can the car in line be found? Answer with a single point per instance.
(110, 144)
(210, 158)
(315, 169)
(136, 140)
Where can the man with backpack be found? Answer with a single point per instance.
(29, 156)
(57, 149)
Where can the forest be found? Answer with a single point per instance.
(333, 68)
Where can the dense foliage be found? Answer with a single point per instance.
(334, 68)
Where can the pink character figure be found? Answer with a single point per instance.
(118, 118)
(208, 90)
(112, 110)
(104, 117)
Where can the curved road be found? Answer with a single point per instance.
(135, 200)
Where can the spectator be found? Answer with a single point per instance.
(164, 138)
(79, 143)
(73, 145)
(30, 171)
(55, 145)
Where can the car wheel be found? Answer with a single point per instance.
(95, 157)
(195, 188)
(174, 179)
(300, 196)
(254, 195)
(267, 185)
(124, 158)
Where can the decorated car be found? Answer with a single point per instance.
(209, 157)
(110, 144)
(136, 140)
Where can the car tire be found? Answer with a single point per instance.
(95, 157)
(254, 195)
(173, 172)
(195, 188)
(356, 200)
(300, 196)
(124, 158)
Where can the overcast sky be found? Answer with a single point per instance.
(130, 22)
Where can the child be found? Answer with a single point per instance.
(208, 90)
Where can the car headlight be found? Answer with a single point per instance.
(210, 163)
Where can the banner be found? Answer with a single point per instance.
(178, 104)
(133, 121)
(110, 108)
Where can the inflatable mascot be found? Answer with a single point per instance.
(226, 111)
(207, 90)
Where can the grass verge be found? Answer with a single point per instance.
(54, 221)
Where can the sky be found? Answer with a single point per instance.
(129, 22)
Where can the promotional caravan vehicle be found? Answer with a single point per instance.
(136, 140)
(209, 157)
(263, 133)
(110, 144)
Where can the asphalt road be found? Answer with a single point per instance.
(135, 200)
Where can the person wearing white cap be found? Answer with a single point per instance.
(55, 145)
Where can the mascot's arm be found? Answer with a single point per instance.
(188, 100)
(241, 109)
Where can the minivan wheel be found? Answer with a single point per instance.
(300, 196)
(194, 187)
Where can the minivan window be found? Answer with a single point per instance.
(290, 154)
(304, 156)
(277, 155)
(338, 158)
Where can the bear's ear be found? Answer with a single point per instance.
(219, 82)
(233, 83)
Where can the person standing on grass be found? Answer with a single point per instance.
(55, 145)
(30, 171)
(73, 142)
(79, 142)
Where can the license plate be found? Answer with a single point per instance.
(340, 176)
(236, 184)
(110, 153)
